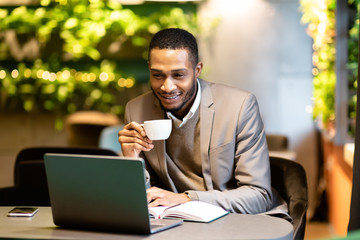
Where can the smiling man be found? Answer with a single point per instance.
(217, 150)
(173, 79)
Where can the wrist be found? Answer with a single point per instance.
(187, 196)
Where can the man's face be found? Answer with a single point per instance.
(173, 79)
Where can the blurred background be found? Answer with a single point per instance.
(67, 63)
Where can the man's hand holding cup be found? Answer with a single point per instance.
(135, 137)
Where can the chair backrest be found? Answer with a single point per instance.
(109, 138)
(83, 127)
(277, 142)
(289, 179)
(30, 177)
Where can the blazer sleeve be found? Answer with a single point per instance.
(248, 189)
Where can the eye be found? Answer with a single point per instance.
(157, 75)
(178, 75)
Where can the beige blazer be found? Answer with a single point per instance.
(234, 153)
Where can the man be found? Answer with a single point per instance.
(217, 150)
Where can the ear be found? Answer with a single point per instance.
(198, 69)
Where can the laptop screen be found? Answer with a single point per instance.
(98, 192)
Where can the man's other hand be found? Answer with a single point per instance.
(159, 197)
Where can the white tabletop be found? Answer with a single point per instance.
(232, 226)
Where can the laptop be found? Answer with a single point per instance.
(106, 193)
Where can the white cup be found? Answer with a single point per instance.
(157, 129)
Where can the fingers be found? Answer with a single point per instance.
(160, 197)
(142, 144)
(133, 140)
(133, 129)
(158, 202)
(154, 193)
(156, 197)
(137, 127)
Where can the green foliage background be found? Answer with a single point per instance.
(321, 20)
(75, 74)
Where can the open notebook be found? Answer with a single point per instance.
(100, 193)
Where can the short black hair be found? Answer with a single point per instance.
(176, 38)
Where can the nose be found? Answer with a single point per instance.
(168, 85)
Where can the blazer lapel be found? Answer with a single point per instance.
(206, 125)
(157, 155)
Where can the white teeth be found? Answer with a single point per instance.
(170, 97)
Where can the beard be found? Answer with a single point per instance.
(188, 97)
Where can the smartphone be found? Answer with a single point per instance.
(22, 212)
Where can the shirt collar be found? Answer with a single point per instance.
(177, 122)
